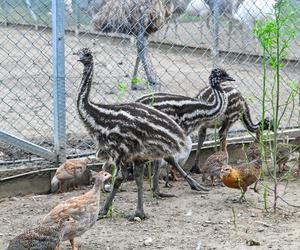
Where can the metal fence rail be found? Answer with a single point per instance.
(39, 74)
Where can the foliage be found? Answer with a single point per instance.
(274, 35)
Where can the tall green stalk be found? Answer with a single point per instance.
(274, 35)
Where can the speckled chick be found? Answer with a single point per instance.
(213, 166)
(70, 170)
(83, 209)
(214, 163)
(41, 238)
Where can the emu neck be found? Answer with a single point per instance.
(84, 89)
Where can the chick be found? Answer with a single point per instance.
(284, 152)
(241, 176)
(214, 163)
(70, 170)
(42, 237)
(83, 209)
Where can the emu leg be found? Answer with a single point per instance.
(134, 84)
(141, 44)
(139, 178)
(223, 133)
(155, 178)
(193, 184)
(201, 138)
(110, 197)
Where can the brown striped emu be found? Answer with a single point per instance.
(190, 113)
(130, 132)
(138, 18)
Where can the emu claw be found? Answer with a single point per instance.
(159, 195)
(139, 214)
(195, 185)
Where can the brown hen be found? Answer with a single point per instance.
(241, 176)
(83, 209)
(70, 170)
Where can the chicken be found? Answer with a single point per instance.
(70, 170)
(241, 176)
(42, 237)
(214, 163)
(83, 209)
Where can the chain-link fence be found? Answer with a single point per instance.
(182, 53)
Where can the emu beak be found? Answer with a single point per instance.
(229, 78)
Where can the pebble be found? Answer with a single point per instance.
(13, 198)
(137, 219)
(261, 230)
(148, 242)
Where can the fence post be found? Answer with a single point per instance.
(59, 93)
(216, 25)
(77, 18)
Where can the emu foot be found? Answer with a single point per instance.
(195, 185)
(159, 195)
(138, 213)
(195, 169)
(102, 213)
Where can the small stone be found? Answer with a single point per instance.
(252, 243)
(189, 213)
(137, 219)
(13, 198)
(148, 241)
(261, 230)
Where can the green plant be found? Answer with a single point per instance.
(150, 180)
(274, 35)
(136, 81)
(122, 88)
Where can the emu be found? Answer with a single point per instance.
(190, 113)
(130, 132)
(138, 18)
(237, 109)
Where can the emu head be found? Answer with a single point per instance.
(85, 56)
(218, 76)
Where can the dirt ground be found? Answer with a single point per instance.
(189, 221)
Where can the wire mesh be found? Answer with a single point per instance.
(180, 52)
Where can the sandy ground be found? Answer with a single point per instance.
(188, 221)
